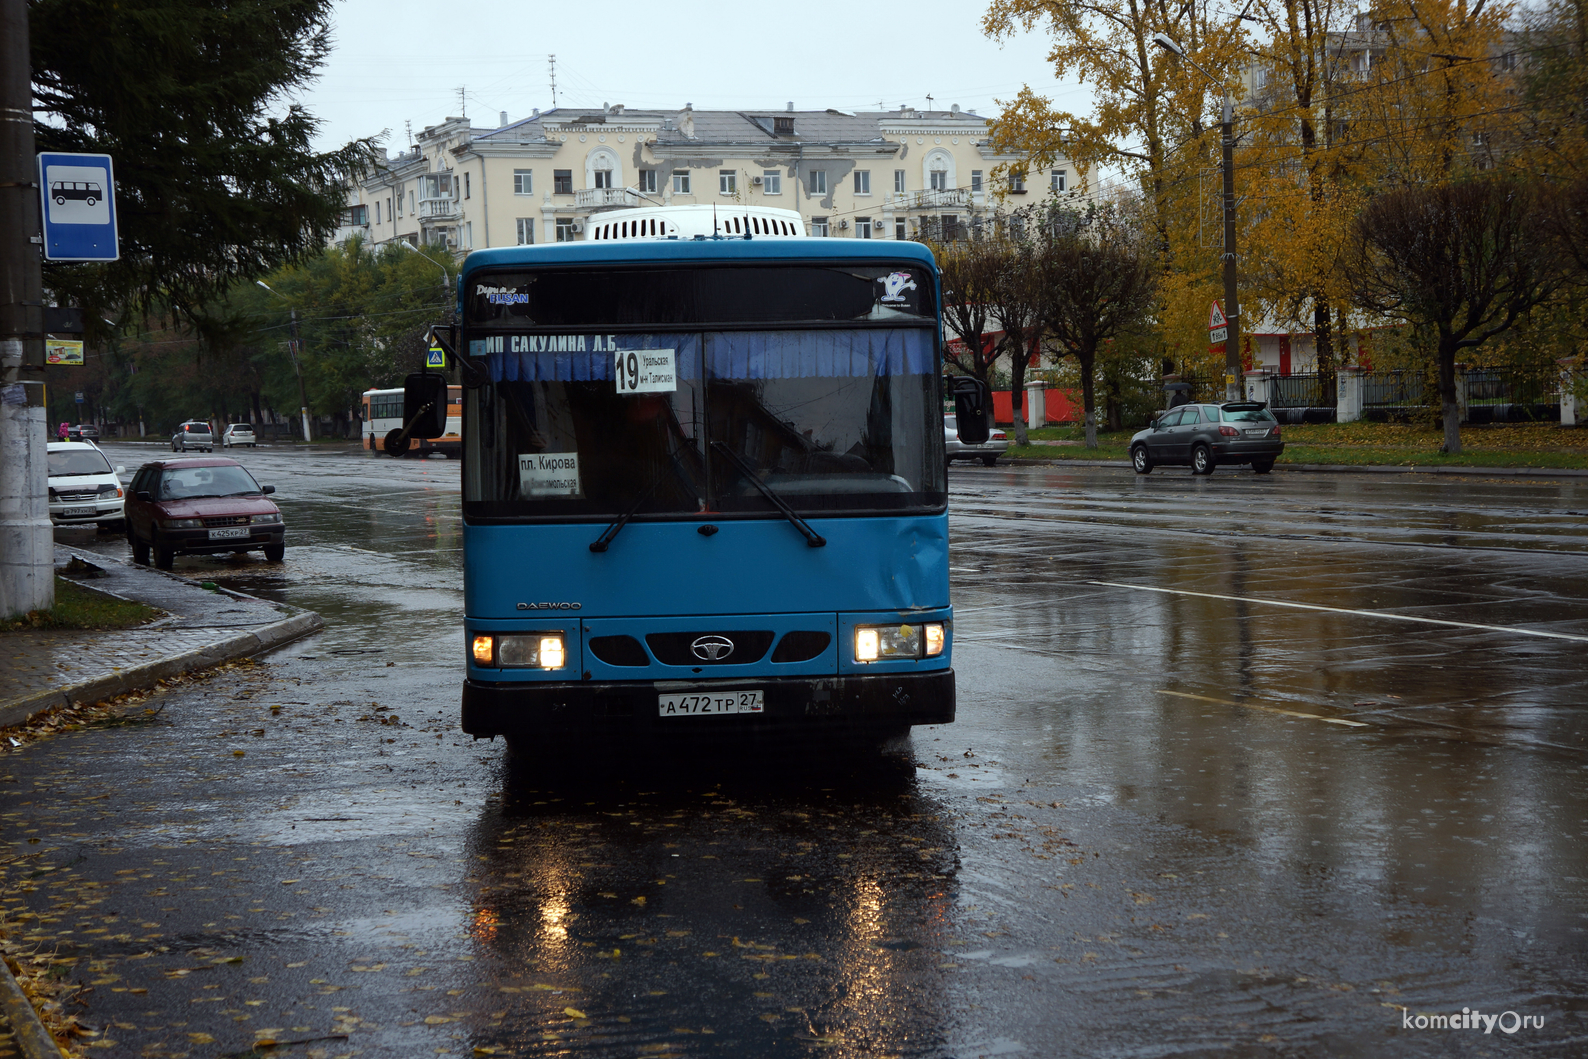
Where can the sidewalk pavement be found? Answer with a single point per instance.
(44, 668)
(1329, 468)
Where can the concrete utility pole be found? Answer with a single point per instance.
(1232, 307)
(303, 391)
(27, 543)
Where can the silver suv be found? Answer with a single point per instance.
(194, 434)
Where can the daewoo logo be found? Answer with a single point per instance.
(550, 606)
(712, 648)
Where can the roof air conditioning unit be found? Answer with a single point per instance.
(843, 224)
(578, 227)
(878, 225)
(756, 181)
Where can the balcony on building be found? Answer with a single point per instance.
(437, 209)
(605, 198)
(935, 198)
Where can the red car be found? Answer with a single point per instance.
(201, 506)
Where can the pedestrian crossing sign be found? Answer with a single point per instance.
(436, 357)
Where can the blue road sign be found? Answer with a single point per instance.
(436, 357)
(78, 196)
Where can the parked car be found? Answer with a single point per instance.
(1202, 436)
(996, 445)
(201, 506)
(83, 432)
(194, 434)
(84, 489)
(238, 434)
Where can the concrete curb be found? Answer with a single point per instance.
(255, 641)
(29, 1033)
(1337, 468)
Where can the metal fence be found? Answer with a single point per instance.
(1302, 391)
(1393, 391)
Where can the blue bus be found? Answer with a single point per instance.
(704, 488)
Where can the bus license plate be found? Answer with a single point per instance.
(228, 533)
(695, 703)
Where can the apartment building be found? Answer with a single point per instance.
(867, 175)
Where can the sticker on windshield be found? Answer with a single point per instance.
(645, 371)
(548, 474)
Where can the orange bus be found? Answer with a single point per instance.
(383, 413)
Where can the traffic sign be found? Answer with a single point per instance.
(1218, 327)
(78, 195)
(79, 396)
(436, 357)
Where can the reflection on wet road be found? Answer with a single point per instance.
(1174, 818)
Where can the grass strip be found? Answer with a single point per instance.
(80, 607)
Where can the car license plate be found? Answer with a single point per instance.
(228, 533)
(78, 512)
(696, 703)
(1263, 433)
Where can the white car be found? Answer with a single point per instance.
(996, 445)
(84, 489)
(238, 434)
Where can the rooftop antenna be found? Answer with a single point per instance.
(551, 63)
(408, 128)
(929, 102)
(714, 220)
(463, 103)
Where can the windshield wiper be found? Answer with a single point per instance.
(601, 542)
(812, 538)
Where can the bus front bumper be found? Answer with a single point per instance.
(882, 703)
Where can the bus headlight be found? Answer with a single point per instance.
(877, 643)
(531, 651)
(484, 650)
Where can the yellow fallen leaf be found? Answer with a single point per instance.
(485, 1051)
(235, 753)
(289, 882)
(574, 1013)
(640, 900)
(436, 1020)
(264, 1042)
(201, 1038)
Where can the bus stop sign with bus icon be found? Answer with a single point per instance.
(78, 196)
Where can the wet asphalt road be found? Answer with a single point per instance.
(1176, 816)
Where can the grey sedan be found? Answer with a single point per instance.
(996, 445)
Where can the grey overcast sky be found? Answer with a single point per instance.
(400, 60)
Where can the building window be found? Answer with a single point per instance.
(603, 178)
(862, 227)
(772, 182)
(948, 228)
(862, 182)
(975, 179)
(526, 231)
(647, 181)
(468, 233)
(898, 181)
(1508, 61)
(353, 216)
(562, 181)
(817, 184)
(898, 228)
(939, 179)
(523, 182)
(565, 232)
(1017, 181)
(819, 226)
(377, 211)
(466, 184)
(783, 126)
(680, 182)
(1056, 180)
(410, 203)
(727, 182)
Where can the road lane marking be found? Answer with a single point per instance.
(1266, 709)
(1345, 610)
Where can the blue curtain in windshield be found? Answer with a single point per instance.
(733, 355)
(818, 354)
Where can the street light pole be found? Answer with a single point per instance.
(1232, 307)
(445, 286)
(292, 350)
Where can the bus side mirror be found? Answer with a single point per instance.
(970, 409)
(425, 405)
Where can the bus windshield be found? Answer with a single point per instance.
(833, 421)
